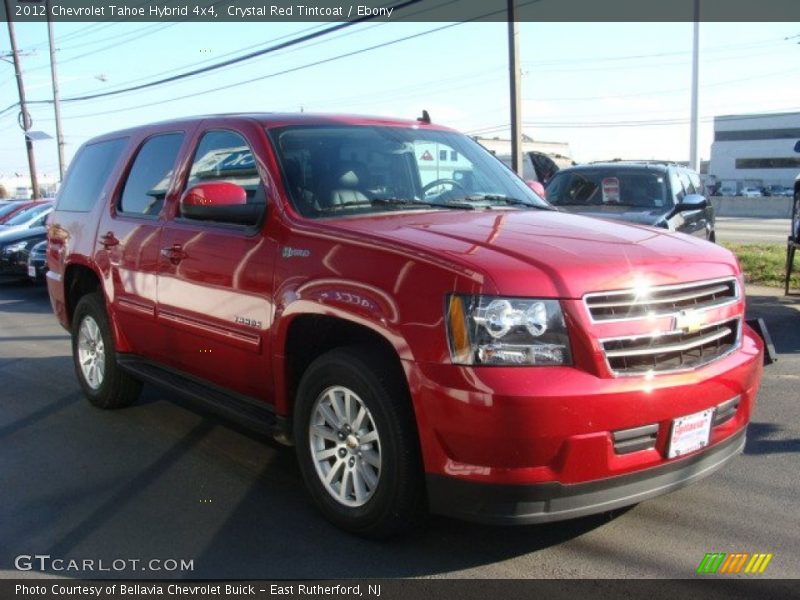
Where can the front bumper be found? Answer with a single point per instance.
(509, 444)
(40, 270)
(545, 502)
(14, 264)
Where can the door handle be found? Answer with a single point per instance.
(109, 240)
(174, 253)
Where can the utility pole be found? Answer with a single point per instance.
(56, 97)
(25, 119)
(694, 159)
(515, 91)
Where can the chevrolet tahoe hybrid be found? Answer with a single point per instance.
(386, 296)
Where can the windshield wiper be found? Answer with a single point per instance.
(509, 200)
(415, 202)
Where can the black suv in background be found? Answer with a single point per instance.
(649, 193)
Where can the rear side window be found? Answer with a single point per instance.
(88, 174)
(150, 176)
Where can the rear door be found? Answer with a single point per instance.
(129, 239)
(215, 277)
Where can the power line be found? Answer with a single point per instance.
(285, 51)
(94, 26)
(292, 69)
(271, 75)
(226, 63)
(121, 40)
(736, 47)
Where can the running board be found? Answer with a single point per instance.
(243, 410)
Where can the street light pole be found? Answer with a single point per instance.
(56, 97)
(694, 159)
(515, 91)
(25, 118)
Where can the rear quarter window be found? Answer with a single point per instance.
(88, 174)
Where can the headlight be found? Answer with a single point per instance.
(14, 248)
(486, 330)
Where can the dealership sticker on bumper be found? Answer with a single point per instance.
(690, 433)
(31, 271)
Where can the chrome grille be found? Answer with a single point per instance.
(671, 351)
(661, 300)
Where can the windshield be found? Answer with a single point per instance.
(6, 209)
(26, 215)
(638, 188)
(333, 170)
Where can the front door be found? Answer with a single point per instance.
(215, 277)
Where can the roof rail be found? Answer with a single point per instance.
(653, 161)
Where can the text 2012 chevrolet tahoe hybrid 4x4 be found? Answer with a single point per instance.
(386, 295)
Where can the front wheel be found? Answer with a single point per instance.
(357, 444)
(103, 382)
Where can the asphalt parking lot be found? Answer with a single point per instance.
(162, 480)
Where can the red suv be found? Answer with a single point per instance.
(388, 297)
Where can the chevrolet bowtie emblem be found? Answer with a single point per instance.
(689, 321)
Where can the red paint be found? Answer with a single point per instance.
(173, 288)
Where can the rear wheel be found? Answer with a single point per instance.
(357, 444)
(103, 382)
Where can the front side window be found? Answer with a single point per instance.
(699, 188)
(332, 170)
(150, 176)
(225, 156)
(688, 184)
(677, 186)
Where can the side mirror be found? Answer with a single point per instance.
(218, 201)
(692, 202)
(536, 186)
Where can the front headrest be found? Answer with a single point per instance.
(349, 175)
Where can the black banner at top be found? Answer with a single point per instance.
(398, 10)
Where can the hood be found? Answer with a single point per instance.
(16, 235)
(549, 253)
(640, 216)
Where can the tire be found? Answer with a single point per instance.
(104, 383)
(380, 449)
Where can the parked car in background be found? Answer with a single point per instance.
(15, 245)
(37, 262)
(776, 190)
(751, 192)
(648, 193)
(30, 218)
(11, 208)
(538, 166)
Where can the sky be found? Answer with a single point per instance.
(609, 90)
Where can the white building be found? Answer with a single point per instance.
(558, 153)
(755, 150)
(18, 185)
(502, 147)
